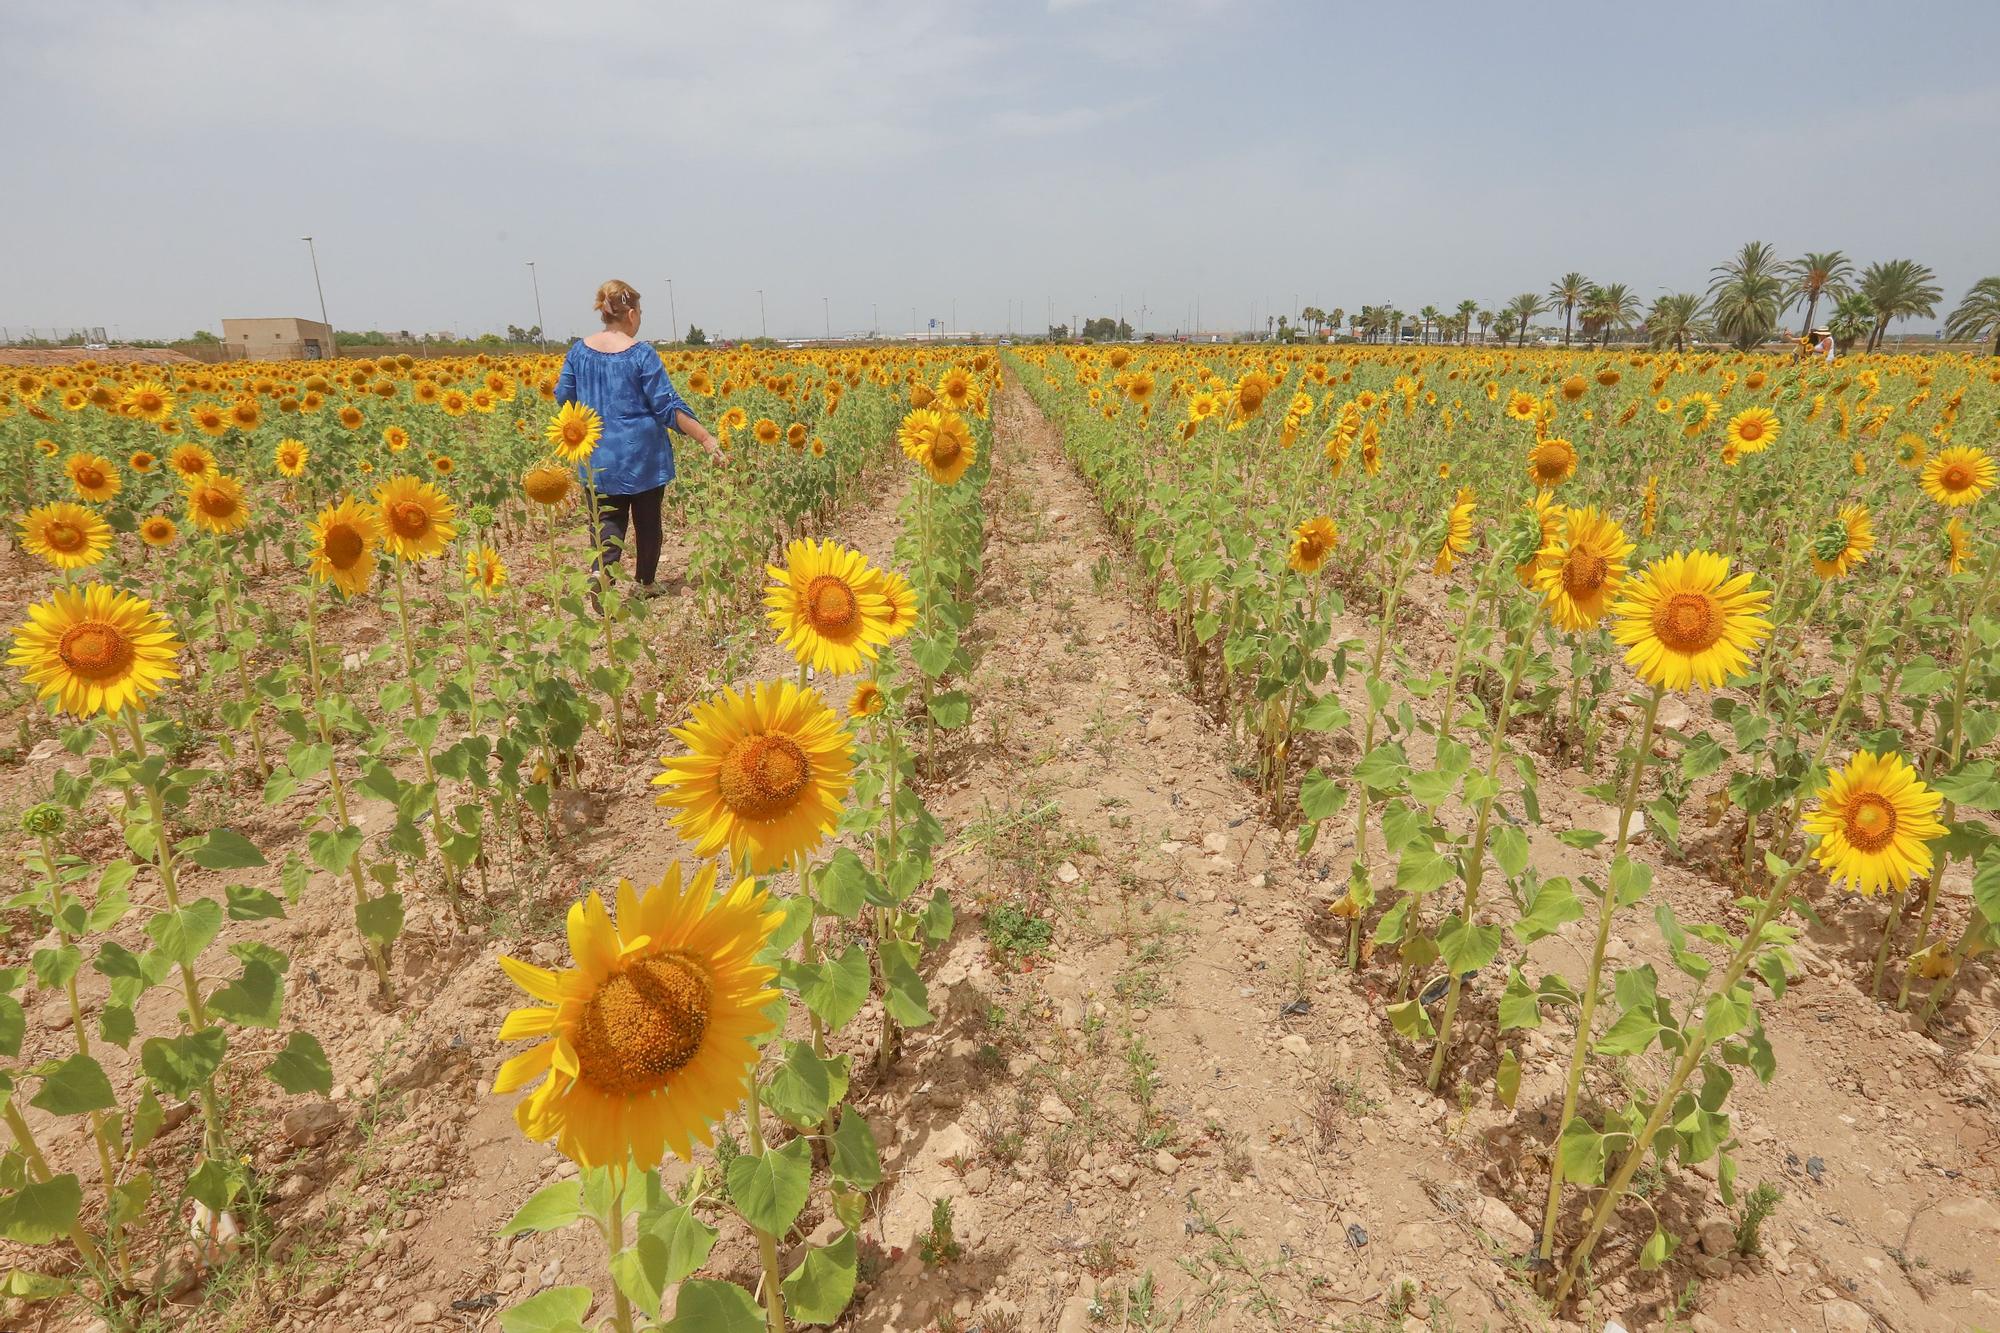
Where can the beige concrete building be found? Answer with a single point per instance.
(277, 340)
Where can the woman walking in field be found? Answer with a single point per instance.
(622, 380)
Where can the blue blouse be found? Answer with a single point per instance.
(630, 390)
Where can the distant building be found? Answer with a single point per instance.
(277, 340)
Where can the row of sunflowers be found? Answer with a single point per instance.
(1423, 584)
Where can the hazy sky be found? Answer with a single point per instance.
(167, 157)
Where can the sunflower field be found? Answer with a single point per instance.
(306, 665)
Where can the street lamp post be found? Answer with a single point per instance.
(762, 324)
(314, 252)
(826, 313)
(534, 277)
(673, 319)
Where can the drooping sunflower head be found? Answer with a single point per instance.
(548, 485)
(1457, 531)
(648, 1038)
(1957, 547)
(216, 504)
(867, 700)
(1911, 451)
(1844, 542)
(290, 457)
(1551, 462)
(485, 572)
(158, 530)
(1686, 622)
(827, 606)
(416, 517)
(899, 600)
(66, 535)
(92, 477)
(574, 432)
(344, 538)
(1753, 430)
(95, 650)
(1582, 568)
(1532, 530)
(1959, 475)
(764, 775)
(192, 462)
(1313, 541)
(1875, 819)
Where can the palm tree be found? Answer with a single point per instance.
(1524, 308)
(1429, 315)
(1503, 324)
(1485, 323)
(1899, 289)
(1568, 292)
(1609, 308)
(1815, 274)
(1335, 318)
(1466, 310)
(1853, 319)
(1675, 318)
(1977, 315)
(1395, 318)
(1746, 294)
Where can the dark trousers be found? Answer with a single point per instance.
(642, 513)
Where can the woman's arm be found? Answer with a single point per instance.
(668, 406)
(566, 380)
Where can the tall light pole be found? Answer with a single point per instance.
(761, 322)
(673, 319)
(536, 278)
(826, 311)
(314, 252)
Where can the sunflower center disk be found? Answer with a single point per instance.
(1687, 623)
(1870, 822)
(644, 1025)
(409, 519)
(946, 450)
(94, 650)
(1583, 573)
(762, 775)
(217, 504)
(831, 605)
(65, 536)
(343, 547)
(89, 478)
(1956, 478)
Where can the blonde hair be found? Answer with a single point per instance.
(615, 300)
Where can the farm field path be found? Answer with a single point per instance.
(1163, 1104)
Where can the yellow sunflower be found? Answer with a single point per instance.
(158, 530)
(1522, 406)
(290, 457)
(350, 417)
(454, 402)
(900, 601)
(765, 774)
(191, 462)
(485, 572)
(940, 441)
(1752, 430)
(1457, 531)
(95, 650)
(766, 431)
(149, 400)
(1686, 622)
(66, 535)
(142, 460)
(244, 414)
(215, 504)
(574, 432)
(1843, 543)
(1312, 542)
(343, 551)
(1551, 462)
(1959, 475)
(92, 477)
(416, 517)
(548, 485)
(827, 606)
(1911, 451)
(1583, 568)
(1874, 820)
(396, 438)
(653, 1031)
(1548, 517)
(867, 700)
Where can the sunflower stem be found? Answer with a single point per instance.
(612, 1225)
(767, 1244)
(1607, 906)
(38, 1169)
(424, 750)
(249, 701)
